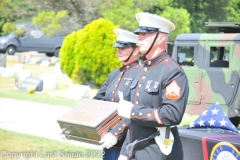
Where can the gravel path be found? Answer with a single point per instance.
(34, 119)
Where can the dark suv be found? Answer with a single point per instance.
(33, 40)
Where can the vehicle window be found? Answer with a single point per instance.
(185, 55)
(219, 56)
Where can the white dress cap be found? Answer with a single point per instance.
(154, 21)
(126, 36)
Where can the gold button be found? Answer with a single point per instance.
(113, 92)
(119, 129)
(140, 85)
(136, 102)
(143, 77)
(145, 69)
(140, 114)
(127, 67)
(115, 133)
(123, 125)
(148, 114)
(133, 114)
(116, 86)
(149, 62)
(137, 94)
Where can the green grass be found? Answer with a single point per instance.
(40, 98)
(187, 119)
(42, 148)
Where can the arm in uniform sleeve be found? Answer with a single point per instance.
(120, 130)
(174, 99)
(102, 91)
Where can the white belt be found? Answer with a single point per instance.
(164, 144)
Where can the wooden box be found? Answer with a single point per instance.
(89, 120)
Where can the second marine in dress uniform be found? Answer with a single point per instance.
(119, 80)
(159, 95)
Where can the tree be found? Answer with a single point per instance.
(203, 11)
(80, 12)
(50, 22)
(233, 11)
(121, 12)
(87, 55)
(14, 11)
(182, 22)
(11, 27)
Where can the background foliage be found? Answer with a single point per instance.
(50, 22)
(188, 16)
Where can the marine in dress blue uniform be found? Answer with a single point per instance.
(159, 95)
(119, 80)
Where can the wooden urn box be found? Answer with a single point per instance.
(89, 120)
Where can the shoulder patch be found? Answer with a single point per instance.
(173, 90)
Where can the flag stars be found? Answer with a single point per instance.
(211, 122)
(201, 123)
(192, 125)
(223, 122)
(215, 111)
(204, 113)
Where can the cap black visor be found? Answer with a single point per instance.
(121, 44)
(144, 29)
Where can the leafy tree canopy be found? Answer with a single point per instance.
(121, 12)
(50, 22)
(203, 11)
(233, 11)
(11, 27)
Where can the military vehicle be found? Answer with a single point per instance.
(212, 64)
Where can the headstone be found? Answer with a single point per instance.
(49, 81)
(77, 92)
(45, 59)
(25, 57)
(56, 69)
(45, 63)
(2, 60)
(8, 72)
(17, 67)
(36, 83)
(23, 74)
(1, 70)
(33, 61)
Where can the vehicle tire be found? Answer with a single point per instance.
(235, 121)
(56, 53)
(11, 50)
(49, 54)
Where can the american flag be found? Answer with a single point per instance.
(214, 117)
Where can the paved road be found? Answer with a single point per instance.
(35, 119)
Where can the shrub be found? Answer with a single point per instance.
(87, 55)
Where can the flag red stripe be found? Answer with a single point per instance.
(204, 148)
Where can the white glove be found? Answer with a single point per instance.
(121, 157)
(125, 108)
(108, 140)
